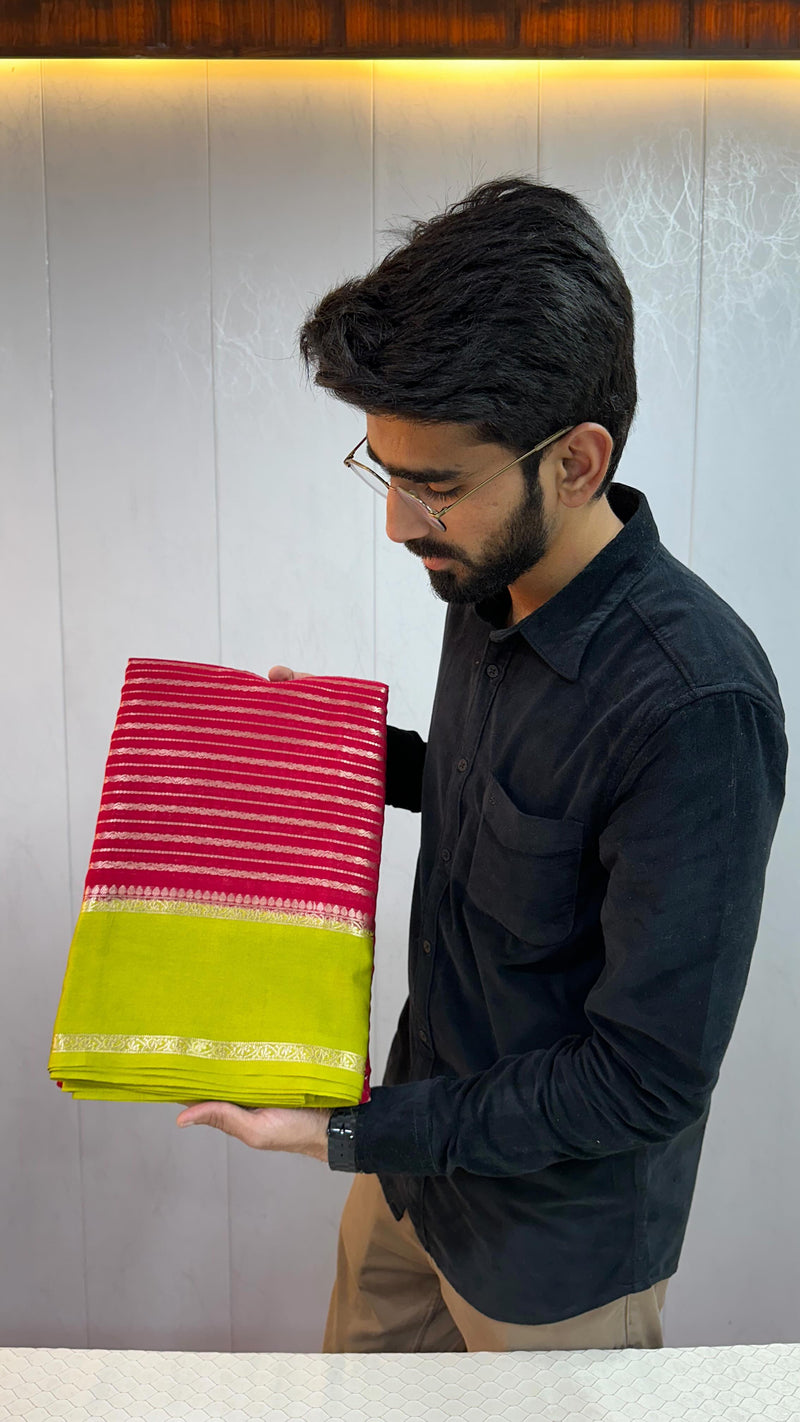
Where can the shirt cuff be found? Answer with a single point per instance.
(405, 761)
(392, 1134)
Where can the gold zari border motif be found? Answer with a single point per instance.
(300, 1052)
(299, 913)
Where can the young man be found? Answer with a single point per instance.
(599, 792)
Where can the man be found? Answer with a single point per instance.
(599, 792)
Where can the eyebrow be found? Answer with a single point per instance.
(418, 476)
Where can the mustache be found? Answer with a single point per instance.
(429, 553)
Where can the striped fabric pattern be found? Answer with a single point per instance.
(225, 787)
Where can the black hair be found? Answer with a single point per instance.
(506, 312)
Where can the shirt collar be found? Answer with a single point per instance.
(561, 628)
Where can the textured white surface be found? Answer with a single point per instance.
(624, 1385)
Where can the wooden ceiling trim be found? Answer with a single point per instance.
(412, 29)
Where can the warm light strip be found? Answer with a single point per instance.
(451, 68)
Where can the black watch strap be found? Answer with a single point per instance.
(342, 1138)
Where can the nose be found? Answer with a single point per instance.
(403, 521)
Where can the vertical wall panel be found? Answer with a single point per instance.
(126, 174)
(42, 1300)
(291, 202)
(627, 139)
(440, 128)
(290, 216)
(738, 1277)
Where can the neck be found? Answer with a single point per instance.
(570, 552)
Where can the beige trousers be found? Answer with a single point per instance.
(390, 1297)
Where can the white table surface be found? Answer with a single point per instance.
(732, 1384)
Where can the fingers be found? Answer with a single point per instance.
(280, 673)
(300, 1130)
(223, 1116)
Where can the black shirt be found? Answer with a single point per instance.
(599, 794)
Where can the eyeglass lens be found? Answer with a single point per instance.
(374, 482)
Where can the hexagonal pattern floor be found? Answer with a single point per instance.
(736, 1383)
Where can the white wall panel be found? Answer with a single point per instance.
(627, 139)
(737, 1281)
(440, 128)
(291, 216)
(42, 1299)
(126, 169)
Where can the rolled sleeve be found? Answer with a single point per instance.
(685, 850)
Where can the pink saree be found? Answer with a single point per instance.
(224, 946)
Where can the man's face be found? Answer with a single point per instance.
(493, 538)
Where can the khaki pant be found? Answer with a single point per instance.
(390, 1297)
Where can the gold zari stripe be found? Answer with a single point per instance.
(356, 727)
(130, 726)
(152, 867)
(312, 772)
(196, 784)
(338, 920)
(254, 689)
(300, 851)
(300, 1052)
(211, 812)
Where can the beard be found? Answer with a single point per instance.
(512, 550)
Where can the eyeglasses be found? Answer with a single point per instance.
(381, 486)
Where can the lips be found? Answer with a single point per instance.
(435, 563)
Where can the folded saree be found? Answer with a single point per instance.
(224, 945)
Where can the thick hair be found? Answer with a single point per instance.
(506, 312)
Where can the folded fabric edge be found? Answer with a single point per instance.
(287, 1100)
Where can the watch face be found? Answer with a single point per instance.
(343, 1124)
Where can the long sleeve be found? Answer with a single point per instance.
(685, 848)
(405, 758)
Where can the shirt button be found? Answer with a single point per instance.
(446, 855)
(423, 1036)
(462, 764)
(426, 947)
(491, 670)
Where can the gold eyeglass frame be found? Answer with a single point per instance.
(352, 463)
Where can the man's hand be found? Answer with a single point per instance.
(304, 1132)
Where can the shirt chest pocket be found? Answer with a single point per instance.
(524, 870)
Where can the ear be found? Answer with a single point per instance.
(581, 460)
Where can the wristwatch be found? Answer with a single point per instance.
(342, 1138)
